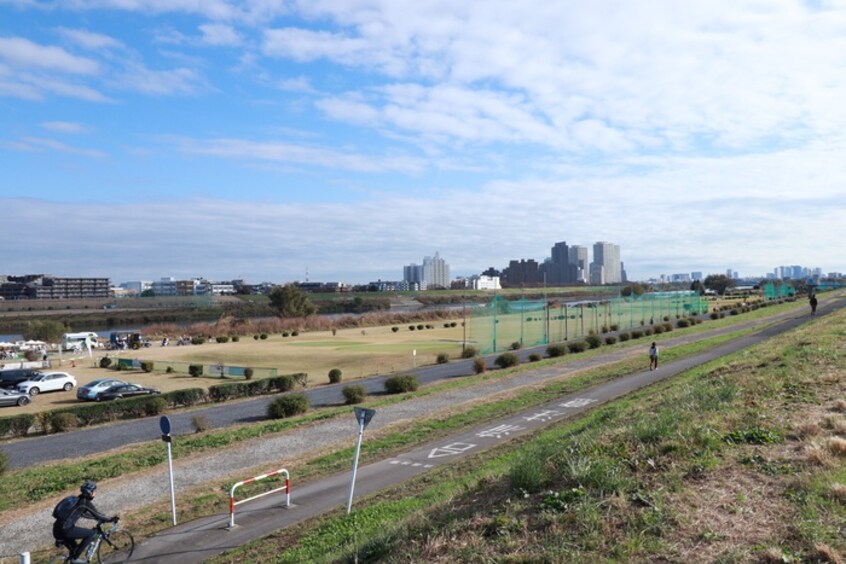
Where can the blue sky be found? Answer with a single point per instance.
(258, 139)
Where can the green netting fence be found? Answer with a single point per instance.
(775, 291)
(499, 325)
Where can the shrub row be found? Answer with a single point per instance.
(83, 415)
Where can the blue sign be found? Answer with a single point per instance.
(164, 423)
(364, 415)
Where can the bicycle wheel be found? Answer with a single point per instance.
(116, 547)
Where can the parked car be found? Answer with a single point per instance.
(47, 382)
(90, 390)
(9, 379)
(13, 397)
(125, 391)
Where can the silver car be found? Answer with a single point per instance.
(13, 397)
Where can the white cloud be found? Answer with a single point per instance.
(65, 126)
(26, 55)
(276, 151)
(298, 84)
(138, 77)
(90, 39)
(220, 35)
(37, 143)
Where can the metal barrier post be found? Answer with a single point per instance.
(233, 503)
(25, 558)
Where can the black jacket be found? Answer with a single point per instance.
(83, 509)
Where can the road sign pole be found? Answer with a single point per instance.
(363, 416)
(164, 424)
(355, 466)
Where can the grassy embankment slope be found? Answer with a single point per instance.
(740, 460)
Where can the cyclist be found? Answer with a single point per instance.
(66, 530)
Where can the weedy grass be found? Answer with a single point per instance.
(701, 467)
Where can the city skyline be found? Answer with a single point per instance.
(261, 139)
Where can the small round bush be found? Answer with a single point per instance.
(658, 329)
(734, 312)
(442, 358)
(534, 357)
(682, 323)
(256, 337)
(195, 369)
(453, 323)
(624, 336)
(666, 318)
(402, 383)
(335, 375)
(288, 406)
(263, 336)
(593, 341)
(169, 369)
(614, 327)
(285, 334)
(411, 328)
(248, 373)
(105, 362)
(515, 346)
(668, 327)
(429, 326)
(395, 329)
(577, 346)
(354, 393)
(222, 339)
(155, 406)
(420, 327)
(235, 338)
(556, 350)
(479, 365)
(610, 340)
(469, 352)
(147, 365)
(198, 340)
(637, 334)
(200, 423)
(647, 331)
(295, 333)
(507, 360)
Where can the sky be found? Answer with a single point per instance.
(338, 140)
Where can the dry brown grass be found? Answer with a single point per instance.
(836, 446)
(839, 406)
(838, 492)
(807, 429)
(825, 553)
(818, 455)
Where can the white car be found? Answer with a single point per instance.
(47, 382)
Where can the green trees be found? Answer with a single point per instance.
(718, 283)
(48, 331)
(290, 301)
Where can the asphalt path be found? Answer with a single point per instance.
(84, 442)
(203, 538)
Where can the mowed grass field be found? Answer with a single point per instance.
(357, 352)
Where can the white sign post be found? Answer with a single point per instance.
(164, 423)
(363, 416)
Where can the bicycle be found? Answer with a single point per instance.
(111, 546)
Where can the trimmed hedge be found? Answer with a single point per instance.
(288, 406)
(469, 352)
(593, 341)
(147, 365)
(335, 375)
(507, 360)
(16, 425)
(402, 383)
(354, 393)
(195, 369)
(556, 350)
(479, 365)
(577, 346)
(442, 358)
(534, 357)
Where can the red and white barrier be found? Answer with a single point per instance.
(286, 487)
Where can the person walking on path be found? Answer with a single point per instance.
(653, 356)
(813, 302)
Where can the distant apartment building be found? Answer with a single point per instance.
(579, 261)
(433, 274)
(48, 287)
(606, 267)
(137, 287)
(523, 273)
(483, 282)
(164, 287)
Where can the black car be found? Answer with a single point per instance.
(13, 397)
(9, 379)
(125, 391)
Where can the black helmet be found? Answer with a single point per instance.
(87, 488)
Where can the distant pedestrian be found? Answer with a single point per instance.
(813, 302)
(653, 356)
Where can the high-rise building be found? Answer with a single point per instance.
(431, 275)
(607, 256)
(579, 263)
(557, 270)
(521, 273)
